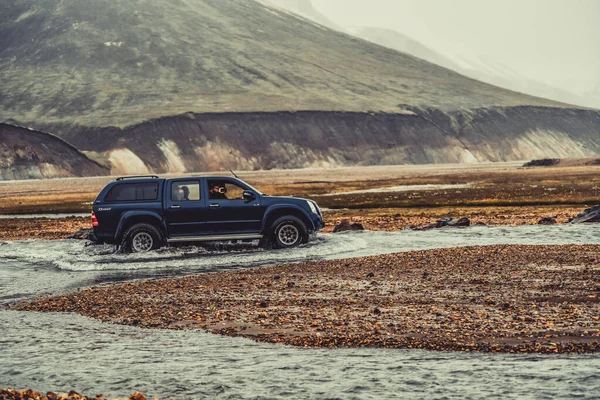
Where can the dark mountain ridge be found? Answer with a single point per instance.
(213, 141)
(26, 154)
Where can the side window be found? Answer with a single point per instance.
(185, 191)
(133, 192)
(224, 190)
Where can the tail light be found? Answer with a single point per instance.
(94, 219)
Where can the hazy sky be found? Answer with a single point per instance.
(553, 41)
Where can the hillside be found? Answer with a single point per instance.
(26, 154)
(250, 141)
(483, 68)
(116, 63)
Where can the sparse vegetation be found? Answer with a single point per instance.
(116, 63)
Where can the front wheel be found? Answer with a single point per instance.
(141, 238)
(288, 232)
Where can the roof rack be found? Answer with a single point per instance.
(121, 178)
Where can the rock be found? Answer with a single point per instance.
(346, 226)
(81, 234)
(547, 221)
(464, 221)
(442, 222)
(545, 162)
(479, 223)
(137, 396)
(588, 215)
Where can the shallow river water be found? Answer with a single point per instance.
(63, 351)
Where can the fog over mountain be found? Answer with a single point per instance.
(544, 48)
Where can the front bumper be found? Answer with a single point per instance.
(318, 223)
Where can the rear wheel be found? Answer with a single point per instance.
(141, 238)
(288, 232)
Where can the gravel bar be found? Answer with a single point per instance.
(531, 299)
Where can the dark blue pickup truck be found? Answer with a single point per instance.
(145, 213)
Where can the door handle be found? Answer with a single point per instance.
(175, 206)
(213, 205)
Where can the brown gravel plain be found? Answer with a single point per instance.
(542, 299)
(494, 194)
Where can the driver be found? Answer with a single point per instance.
(217, 191)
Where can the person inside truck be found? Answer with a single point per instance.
(217, 191)
(184, 193)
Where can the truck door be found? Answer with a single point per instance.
(228, 211)
(185, 209)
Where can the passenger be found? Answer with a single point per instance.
(217, 191)
(184, 193)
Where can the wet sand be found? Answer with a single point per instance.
(41, 228)
(533, 299)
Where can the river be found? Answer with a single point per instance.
(58, 352)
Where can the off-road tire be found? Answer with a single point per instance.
(141, 238)
(287, 232)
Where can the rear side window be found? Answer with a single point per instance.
(185, 191)
(133, 192)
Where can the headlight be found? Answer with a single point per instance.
(312, 207)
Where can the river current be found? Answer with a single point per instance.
(60, 352)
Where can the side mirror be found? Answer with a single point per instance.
(248, 195)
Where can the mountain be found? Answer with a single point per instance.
(26, 154)
(117, 62)
(483, 68)
(187, 85)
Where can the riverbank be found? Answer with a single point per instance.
(536, 299)
(380, 198)
(385, 219)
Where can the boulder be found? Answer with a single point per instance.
(345, 225)
(545, 162)
(137, 396)
(588, 215)
(442, 222)
(464, 221)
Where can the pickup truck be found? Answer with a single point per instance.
(144, 213)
